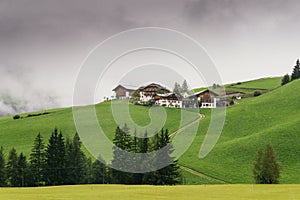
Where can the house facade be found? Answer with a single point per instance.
(148, 92)
(207, 99)
(123, 92)
(163, 97)
(170, 100)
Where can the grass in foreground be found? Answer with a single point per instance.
(154, 192)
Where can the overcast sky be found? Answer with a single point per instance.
(43, 43)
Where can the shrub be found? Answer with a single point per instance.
(16, 117)
(256, 93)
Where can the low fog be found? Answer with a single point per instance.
(43, 43)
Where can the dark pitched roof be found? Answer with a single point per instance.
(203, 91)
(154, 85)
(126, 87)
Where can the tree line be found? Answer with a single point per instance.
(295, 74)
(63, 162)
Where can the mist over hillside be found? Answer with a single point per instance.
(21, 92)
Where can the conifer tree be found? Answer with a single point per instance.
(122, 143)
(168, 175)
(185, 87)
(55, 159)
(296, 71)
(12, 168)
(100, 172)
(285, 79)
(2, 168)
(177, 88)
(266, 169)
(75, 161)
(22, 171)
(257, 166)
(37, 161)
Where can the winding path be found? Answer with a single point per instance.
(196, 173)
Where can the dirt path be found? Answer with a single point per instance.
(196, 173)
(201, 116)
(209, 178)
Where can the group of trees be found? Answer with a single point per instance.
(168, 175)
(60, 162)
(266, 170)
(295, 74)
(63, 162)
(181, 89)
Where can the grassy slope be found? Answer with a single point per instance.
(262, 85)
(21, 133)
(270, 118)
(154, 192)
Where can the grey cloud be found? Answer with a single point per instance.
(42, 43)
(20, 93)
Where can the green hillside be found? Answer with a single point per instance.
(262, 85)
(270, 118)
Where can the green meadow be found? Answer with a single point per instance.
(272, 117)
(123, 192)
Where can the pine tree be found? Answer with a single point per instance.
(257, 166)
(75, 161)
(12, 168)
(296, 71)
(122, 143)
(100, 172)
(177, 88)
(271, 169)
(266, 169)
(37, 161)
(55, 159)
(168, 175)
(2, 168)
(285, 79)
(22, 171)
(185, 88)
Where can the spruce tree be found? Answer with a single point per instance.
(271, 169)
(22, 171)
(257, 166)
(296, 71)
(168, 175)
(2, 168)
(266, 169)
(122, 143)
(55, 159)
(185, 88)
(177, 88)
(100, 172)
(37, 161)
(12, 168)
(75, 161)
(285, 79)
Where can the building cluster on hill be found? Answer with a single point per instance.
(158, 95)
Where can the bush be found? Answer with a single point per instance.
(16, 117)
(256, 93)
(231, 102)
